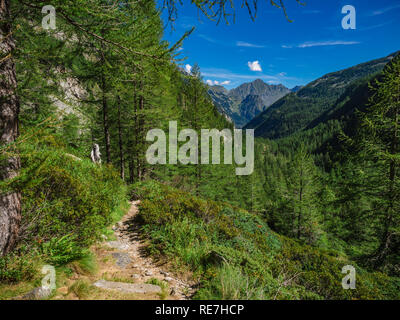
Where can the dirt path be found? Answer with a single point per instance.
(120, 270)
(129, 254)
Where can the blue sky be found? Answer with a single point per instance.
(277, 51)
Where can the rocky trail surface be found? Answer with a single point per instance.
(129, 255)
(124, 271)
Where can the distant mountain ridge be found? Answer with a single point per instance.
(297, 88)
(245, 102)
(309, 105)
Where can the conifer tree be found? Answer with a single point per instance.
(379, 144)
(301, 194)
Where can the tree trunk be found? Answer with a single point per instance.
(139, 137)
(121, 151)
(105, 120)
(10, 203)
(132, 140)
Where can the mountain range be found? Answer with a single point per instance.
(275, 111)
(245, 102)
(315, 102)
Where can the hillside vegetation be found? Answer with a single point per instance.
(295, 111)
(236, 255)
(325, 192)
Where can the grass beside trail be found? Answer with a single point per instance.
(235, 255)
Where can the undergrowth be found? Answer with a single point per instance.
(67, 204)
(237, 256)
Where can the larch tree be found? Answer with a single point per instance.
(302, 187)
(379, 142)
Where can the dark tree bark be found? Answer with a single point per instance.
(121, 150)
(132, 145)
(106, 127)
(10, 203)
(140, 169)
(139, 129)
(105, 121)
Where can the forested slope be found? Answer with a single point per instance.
(295, 111)
(284, 232)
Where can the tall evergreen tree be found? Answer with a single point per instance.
(379, 157)
(302, 196)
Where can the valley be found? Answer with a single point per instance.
(110, 189)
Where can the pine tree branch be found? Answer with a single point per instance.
(102, 39)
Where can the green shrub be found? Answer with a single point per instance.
(14, 268)
(229, 283)
(67, 202)
(65, 196)
(319, 272)
(81, 288)
(60, 251)
(237, 256)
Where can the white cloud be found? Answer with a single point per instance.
(179, 49)
(248, 45)
(384, 10)
(376, 26)
(254, 66)
(207, 38)
(311, 11)
(326, 43)
(188, 68)
(227, 74)
(217, 83)
(237, 78)
(310, 44)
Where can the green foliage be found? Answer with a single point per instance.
(162, 284)
(62, 250)
(231, 284)
(67, 202)
(296, 111)
(320, 272)
(71, 196)
(376, 158)
(252, 262)
(15, 268)
(126, 85)
(81, 288)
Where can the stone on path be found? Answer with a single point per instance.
(118, 245)
(39, 293)
(123, 259)
(128, 287)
